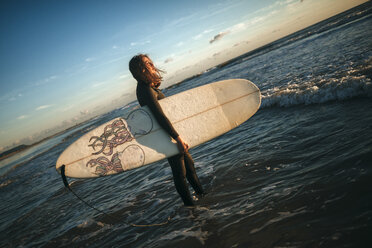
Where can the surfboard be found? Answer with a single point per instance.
(124, 143)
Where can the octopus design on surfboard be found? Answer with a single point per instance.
(132, 155)
(115, 134)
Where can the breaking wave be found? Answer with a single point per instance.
(355, 83)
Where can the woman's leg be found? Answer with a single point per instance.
(179, 172)
(191, 174)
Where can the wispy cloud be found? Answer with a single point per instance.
(275, 5)
(96, 85)
(179, 44)
(182, 21)
(140, 43)
(168, 60)
(15, 94)
(220, 9)
(22, 117)
(238, 27)
(233, 29)
(292, 6)
(199, 36)
(43, 107)
(46, 80)
(15, 97)
(90, 59)
(50, 78)
(219, 36)
(123, 76)
(66, 108)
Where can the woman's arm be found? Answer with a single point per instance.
(157, 111)
(153, 104)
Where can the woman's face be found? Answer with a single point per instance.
(149, 65)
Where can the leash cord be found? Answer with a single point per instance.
(100, 211)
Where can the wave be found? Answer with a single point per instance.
(351, 85)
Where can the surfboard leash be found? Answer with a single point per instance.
(65, 182)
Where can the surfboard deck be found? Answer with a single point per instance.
(199, 115)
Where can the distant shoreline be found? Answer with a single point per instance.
(13, 151)
(23, 147)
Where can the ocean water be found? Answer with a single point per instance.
(297, 174)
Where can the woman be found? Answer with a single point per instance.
(148, 81)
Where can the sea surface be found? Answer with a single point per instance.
(297, 174)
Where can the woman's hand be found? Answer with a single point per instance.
(182, 145)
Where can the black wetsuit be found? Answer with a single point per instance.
(182, 164)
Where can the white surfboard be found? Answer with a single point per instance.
(198, 115)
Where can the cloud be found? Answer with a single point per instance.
(168, 60)
(238, 27)
(219, 36)
(90, 59)
(43, 107)
(66, 108)
(179, 44)
(50, 78)
(182, 21)
(275, 5)
(123, 76)
(141, 43)
(198, 36)
(22, 117)
(95, 85)
(292, 6)
(45, 80)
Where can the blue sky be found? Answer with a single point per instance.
(63, 62)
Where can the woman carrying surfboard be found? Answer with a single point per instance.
(148, 81)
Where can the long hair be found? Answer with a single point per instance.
(140, 72)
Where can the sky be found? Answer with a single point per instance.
(63, 62)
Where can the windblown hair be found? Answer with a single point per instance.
(140, 72)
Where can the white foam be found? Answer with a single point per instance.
(321, 90)
(281, 216)
(195, 232)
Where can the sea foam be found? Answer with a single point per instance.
(352, 84)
